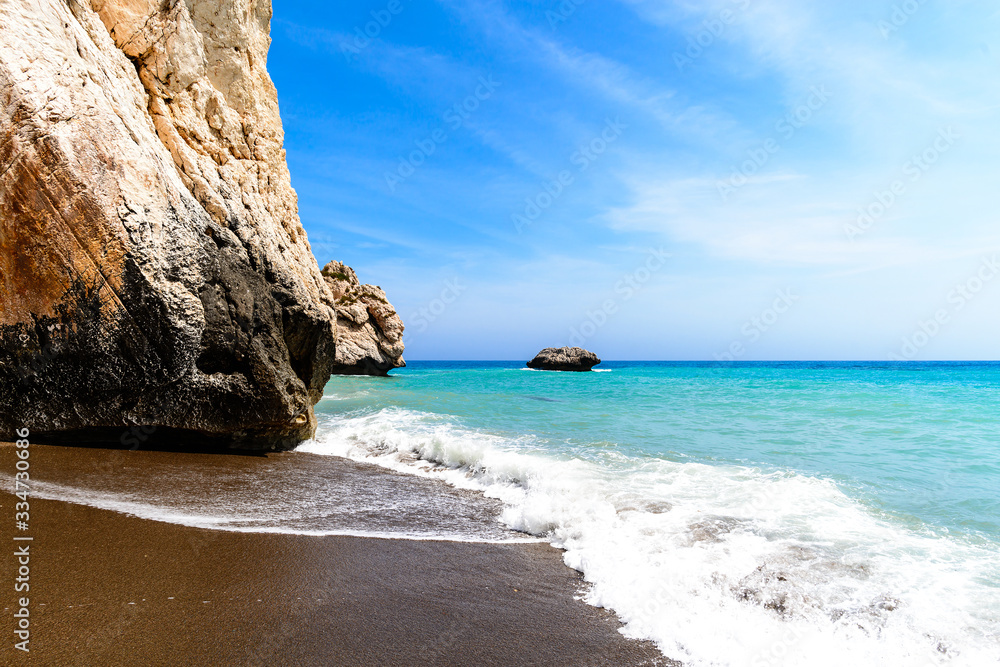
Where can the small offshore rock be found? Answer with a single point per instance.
(564, 359)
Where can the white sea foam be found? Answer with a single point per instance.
(360, 393)
(719, 565)
(288, 494)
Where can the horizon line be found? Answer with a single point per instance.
(746, 361)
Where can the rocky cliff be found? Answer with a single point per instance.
(153, 269)
(369, 332)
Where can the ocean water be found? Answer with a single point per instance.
(736, 514)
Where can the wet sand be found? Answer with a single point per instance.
(112, 589)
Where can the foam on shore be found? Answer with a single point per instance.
(293, 494)
(720, 565)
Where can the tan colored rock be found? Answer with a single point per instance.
(153, 269)
(369, 332)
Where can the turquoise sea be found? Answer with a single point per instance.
(735, 513)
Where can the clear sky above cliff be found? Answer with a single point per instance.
(823, 176)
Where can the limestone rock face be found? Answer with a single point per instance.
(564, 359)
(369, 332)
(153, 269)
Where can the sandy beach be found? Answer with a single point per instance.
(112, 589)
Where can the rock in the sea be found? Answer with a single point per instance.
(564, 359)
(153, 269)
(369, 332)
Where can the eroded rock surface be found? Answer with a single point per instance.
(153, 269)
(564, 359)
(369, 332)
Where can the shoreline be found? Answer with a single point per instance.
(110, 588)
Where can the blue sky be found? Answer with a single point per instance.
(746, 179)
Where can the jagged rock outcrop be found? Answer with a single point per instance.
(369, 332)
(564, 359)
(153, 269)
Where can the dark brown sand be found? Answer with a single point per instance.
(112, 589)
